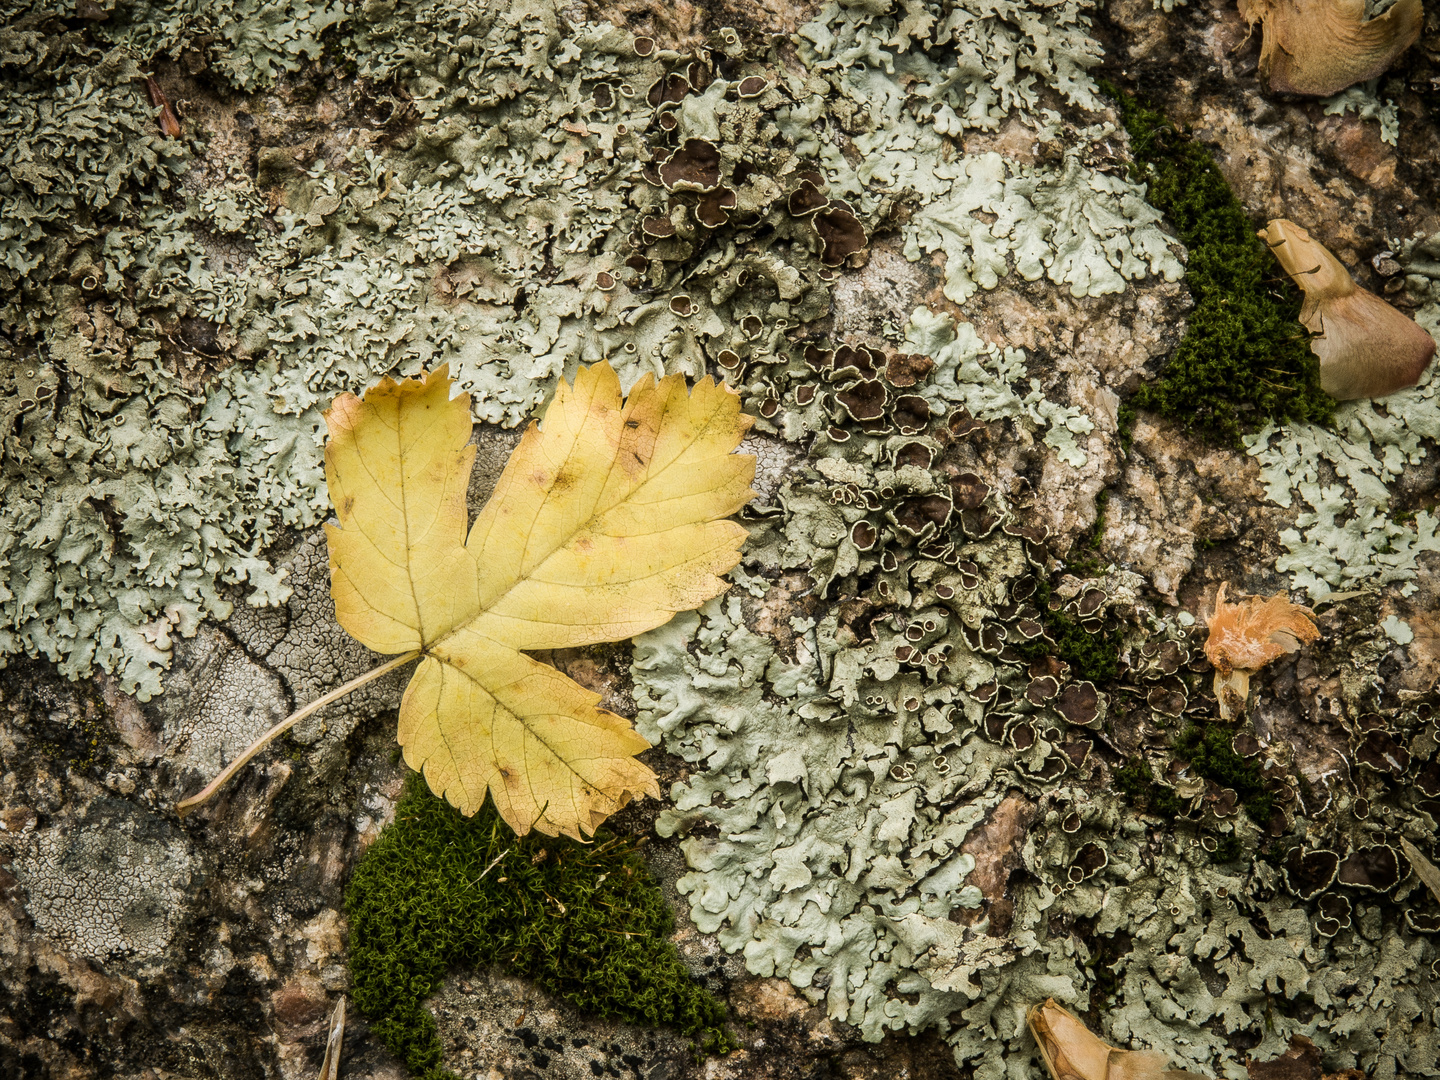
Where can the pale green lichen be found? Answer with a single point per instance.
(831, 818)
(982, 378)
(154, 471)
(909, 81)
(1364, 101)
(254, 41)
(1089, 230)
(171, 338)
(835, 785)
(1397, 630)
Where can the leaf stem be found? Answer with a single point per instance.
(186, 805)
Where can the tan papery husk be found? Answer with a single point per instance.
(1071, 1051)
(1322, 46)
(1366, 348)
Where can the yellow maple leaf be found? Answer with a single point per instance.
(608, 519)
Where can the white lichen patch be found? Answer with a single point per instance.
(114, 886)
(171, 352)
(301, 644)
(217, 703)
(1346, 535)
(908, 82)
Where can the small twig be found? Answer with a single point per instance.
(471, 884)
(186, 805)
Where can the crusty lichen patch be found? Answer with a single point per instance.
(115, 886)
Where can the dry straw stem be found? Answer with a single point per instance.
(185, 806)
(1071, 1051)
(1247, 635)
(1322, 46)
(1367, 349)
(608, 519)
(1425, 870)
(330, 1067)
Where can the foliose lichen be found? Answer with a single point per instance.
(544, 193)
(175, 324)
(848, 765)
(848, 776)
(905, 82)
(1364, 101)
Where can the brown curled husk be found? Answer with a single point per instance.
(168, 121)
(1322, 46)
(1367, 349)
(1071, 1051)
(1247, 635)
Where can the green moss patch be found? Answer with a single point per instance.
(586, 921)
(1137, 783)
(1244, 358)
(1209, 751)
(1091, 656)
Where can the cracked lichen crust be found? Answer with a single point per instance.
(115, 886)
(1346, 534)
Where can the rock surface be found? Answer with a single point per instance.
(137, 945)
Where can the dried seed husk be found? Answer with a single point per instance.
(1367, 349)
(1322, 46)
(1425, 870)
(1071, 1051)
(1247, 635)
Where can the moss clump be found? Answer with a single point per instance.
(1091, 656)
(585, 921)
(1228, 849)
(1125, 427)
(1137, 783)
(1210, 754)
(1245, 357)
(1084, 558)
